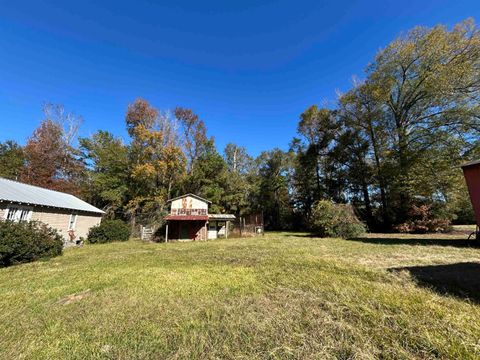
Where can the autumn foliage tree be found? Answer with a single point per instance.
(157, 160)
(50, 159)
(194, 139)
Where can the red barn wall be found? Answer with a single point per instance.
(472, 177)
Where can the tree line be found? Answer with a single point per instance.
(391, 143)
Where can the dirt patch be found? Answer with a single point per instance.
(73, 297)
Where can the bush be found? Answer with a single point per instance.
(423, 221)
(27, 241)
(108, 231)
(335, 220)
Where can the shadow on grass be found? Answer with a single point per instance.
(384, 240)
(461, 280)
(416, 241)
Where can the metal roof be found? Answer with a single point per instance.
(17, 192)
(221, 216)
(471, 163)
(192, 195)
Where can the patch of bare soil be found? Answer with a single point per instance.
(73, 297)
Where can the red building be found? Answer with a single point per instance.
(189, 220)
(471, 171)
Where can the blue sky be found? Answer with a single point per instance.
(248, 68)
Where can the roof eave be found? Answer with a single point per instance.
(471, 163)
(189, 194)
(98, 211)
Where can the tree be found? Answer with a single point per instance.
(237, 158)
(208, 178)
(195, 141)
(12, 159)
(68, 121)
(363, 114)
(238, 188)
(107, 161)
(315, 175)
(157, 161)
(356, 171)
(50, 159)
(140, 115)
(272, 197)
(427, 82)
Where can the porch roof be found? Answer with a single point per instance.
(221, 216)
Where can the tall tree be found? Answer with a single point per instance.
(140, 115)
(315, 174)
(363, 114)
(195, 141)
(238, 188)
(107, 161)
(237, 158)
(157, 161)
(208, 177)
(51, 160)
(272, 198)
(428, 81)
(12, 159)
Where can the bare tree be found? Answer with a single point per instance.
(68, 121)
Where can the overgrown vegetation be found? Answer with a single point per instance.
(392, 141)
(424, 221)
(333, 220)
(109, 231)
(283, 296)
(22, 242)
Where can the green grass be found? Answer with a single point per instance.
(284, 296)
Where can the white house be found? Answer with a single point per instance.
(69, 215)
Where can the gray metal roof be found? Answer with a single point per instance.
(17, 192)
(221, 216)
(471, 163)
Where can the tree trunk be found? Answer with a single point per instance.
(381, 180)
(403, 168)
(368, 204)
(317, 171)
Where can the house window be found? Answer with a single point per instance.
(18, 213)
(72, 222)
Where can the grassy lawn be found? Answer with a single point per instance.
(282, 296)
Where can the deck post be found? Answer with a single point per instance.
(166, 233)
(226, 229)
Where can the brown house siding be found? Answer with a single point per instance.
(59, 219)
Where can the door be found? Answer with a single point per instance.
(212, 230)
(221, 229)
(184, 233)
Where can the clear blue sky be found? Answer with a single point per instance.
(248, 68)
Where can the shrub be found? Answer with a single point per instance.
(27, 241)
(335, 220)
(423, 221)
(108, 231)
